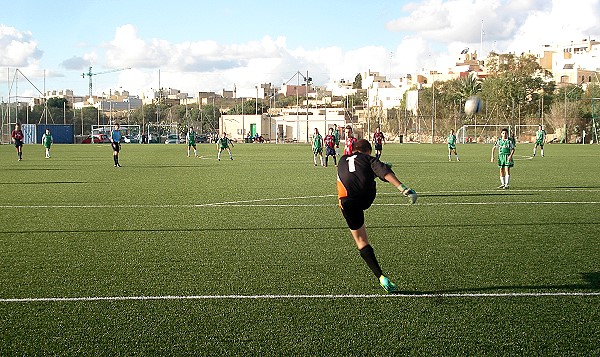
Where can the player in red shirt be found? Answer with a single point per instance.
(378, 141)
(356, 190)
(350, 140)
(330, 147)
(17, 138)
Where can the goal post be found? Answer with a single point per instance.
(595, 119)
(482, 134)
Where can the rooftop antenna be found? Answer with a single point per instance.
(481, 40)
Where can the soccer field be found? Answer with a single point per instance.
(171, 255)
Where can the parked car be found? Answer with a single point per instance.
(98, 139)
(172, 139)
(130, 139)
(201, 139)
(154, 138)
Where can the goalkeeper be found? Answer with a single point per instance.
(356, 190)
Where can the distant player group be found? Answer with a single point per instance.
(505, 145)
(356, 173)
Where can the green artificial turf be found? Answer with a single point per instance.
(252, 257)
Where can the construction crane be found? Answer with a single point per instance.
(90, 74)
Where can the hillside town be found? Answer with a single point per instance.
(417, 107)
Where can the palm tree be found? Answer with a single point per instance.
(468, 86)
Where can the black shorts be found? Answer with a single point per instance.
(18, 143)
(353, 211)
(378, 147)
(329, 151)
(116, 146)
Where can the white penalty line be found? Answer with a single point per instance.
(252, 204)
(299, 297)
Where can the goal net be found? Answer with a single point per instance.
(158, 133)
(525, 133)
(130, 133)
(483, 134)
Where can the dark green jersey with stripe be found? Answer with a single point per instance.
(504, 146)
(47, 140)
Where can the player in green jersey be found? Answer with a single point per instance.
(336, 135)
(506, 150)
(317, 147)
(540, 138)
(47, 141)
(222, 144)
(190, 139)
(452, 145)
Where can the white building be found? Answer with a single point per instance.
(287, 126)
(575, 63)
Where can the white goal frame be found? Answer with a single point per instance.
(125, 129)
(469, 133)
(160, 129)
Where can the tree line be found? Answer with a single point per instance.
(517, 91)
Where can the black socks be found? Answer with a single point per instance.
(368, 255)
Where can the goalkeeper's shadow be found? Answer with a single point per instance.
(591, 282)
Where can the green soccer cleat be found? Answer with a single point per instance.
(387, 284)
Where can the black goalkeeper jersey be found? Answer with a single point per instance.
(356, 176)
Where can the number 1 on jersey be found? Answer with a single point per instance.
(351, 167)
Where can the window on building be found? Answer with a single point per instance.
(564, 79)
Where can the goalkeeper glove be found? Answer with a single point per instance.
(408, 192)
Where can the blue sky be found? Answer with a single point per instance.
(213, 45)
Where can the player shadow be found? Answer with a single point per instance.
(38, 169)
(499, 193)
(43, 183)
(453, 225)
(591, 282)
(277, 229)
(166, 166)
(574, 187)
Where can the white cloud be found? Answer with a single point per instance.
(431, 34)
(445, 27)
(18, 48)
(80, 62)
(207, 65)
(564, 22)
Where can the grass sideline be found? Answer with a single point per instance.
(266, 223)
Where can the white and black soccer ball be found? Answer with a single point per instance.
(473, 105)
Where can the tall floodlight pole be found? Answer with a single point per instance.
(433, 107)
(481, 41)
(306, 81)
(159, 99)
(565, 125)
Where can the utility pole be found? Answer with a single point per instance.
(306, 80)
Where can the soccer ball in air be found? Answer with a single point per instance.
(473, 105)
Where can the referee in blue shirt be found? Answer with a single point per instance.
(115, 141)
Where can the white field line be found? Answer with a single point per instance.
(256, 202)
(235, 204)
(291, 297)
